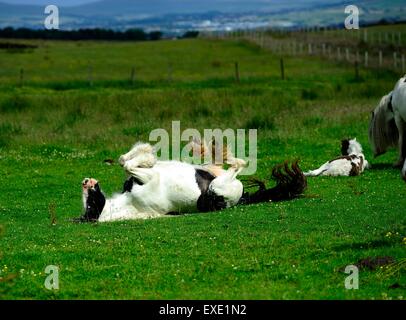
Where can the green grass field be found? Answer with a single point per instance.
(76, 107)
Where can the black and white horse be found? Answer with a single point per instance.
(388, 124)
(352, 161)
(158, 188)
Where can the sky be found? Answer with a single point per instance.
(47, 2)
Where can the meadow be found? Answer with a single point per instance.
(65, 107)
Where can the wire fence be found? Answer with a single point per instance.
(370, 49)
(357, 48)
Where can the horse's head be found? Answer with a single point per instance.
(383, 132)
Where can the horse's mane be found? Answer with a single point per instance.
(383, 132)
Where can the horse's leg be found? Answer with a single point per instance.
(93, 200)
(141, 155)
(119, 207)
(402, 141)
(226, 190)
(236, 163)
(144, 175)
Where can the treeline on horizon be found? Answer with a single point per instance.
(86, 34)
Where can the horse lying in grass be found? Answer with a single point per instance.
(352, 162)
(388, 124)
(158, 188)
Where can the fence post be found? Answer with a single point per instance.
(403, 63)
(282, 70)
(380, 59)
(338, 53)
(347, 54)
(237, 72)
(395, 60)
(366, 59)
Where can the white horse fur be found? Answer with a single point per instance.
(167, 187)
(157, 188)
(352, 162)
(388, 123)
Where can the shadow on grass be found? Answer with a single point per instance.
(383, 166)
(364, 245)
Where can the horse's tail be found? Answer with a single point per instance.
(290, 184)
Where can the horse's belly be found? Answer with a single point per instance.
(399, 100)
(181, 189)
(176, 191)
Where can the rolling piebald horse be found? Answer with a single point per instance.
(352, 162)
(387, 127)
(158, 188)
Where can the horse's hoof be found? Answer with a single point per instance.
(89, 184)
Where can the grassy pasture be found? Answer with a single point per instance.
(57, 128)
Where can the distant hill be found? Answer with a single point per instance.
(9, 10)
(160, 7)
(180, 15)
